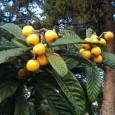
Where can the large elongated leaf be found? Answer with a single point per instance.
(73, 91)
(57, 63)
(109, 59)
(13, 29)
(70, 37)
(58, 104)
(10, 53)
(94, 83)
(19, 42)
(7, 88)
(5, 44)
(32, 109)
(22, 107)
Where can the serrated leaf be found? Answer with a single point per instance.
(32, 109)
(70, 37)
(57, 103)
(71, 63)
(73, 91)
(93, 80)
(19, 42)
(10, 53)
(13, 29)
(57, 63)
(89, 32)
(21, 107)
(109, 59)
(7, 88)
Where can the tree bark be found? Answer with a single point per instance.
(108, 107)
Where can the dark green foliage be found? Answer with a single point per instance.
(55, 88)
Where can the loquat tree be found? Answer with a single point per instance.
(38, 76)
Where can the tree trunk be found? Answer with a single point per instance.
(108, 107)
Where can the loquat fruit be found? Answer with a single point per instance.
(42, 60)
(98, 59)
(86, 54)
(32, 39)
(109, 35)
(39, 49)
(50, 36)
(27, 30)
(96, 51)
(32, 65)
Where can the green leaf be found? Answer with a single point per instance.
(6, 44)
(57, 63)
(57, 103)
(13, 29)
(70, 37)
(94, 83)
(7, 88)
(89, 32)
(71, 63)
(109, 59)
(6, 54)
(32, 109)
(77, 56)
(73, 91)
(19, 42)
(21, 107)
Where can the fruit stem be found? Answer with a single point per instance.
(101, 35)
(41, 30)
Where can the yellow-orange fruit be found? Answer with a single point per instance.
(81, 50)
(93, 37)
(86, 54)
(109, 35)
(42, 60)
(32, 65)
(21, 73)
(50, 36)
(39, 49)
(98, 59)
(27, 30)
(32, 39)
(102, 41)
(96, 51)
(86, 46)
(87, 39)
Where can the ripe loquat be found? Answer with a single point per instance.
(86, 46)
(50, 36)
(96, 51)
(32, 65)
(98, 59)
(102, 41)
(81, 50)
(109, 35)
(86, 54)
(32, 39)
(42, 60)
(39, 49)
(27, 30)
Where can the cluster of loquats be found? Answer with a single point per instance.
(93, 51)
(38, 40)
